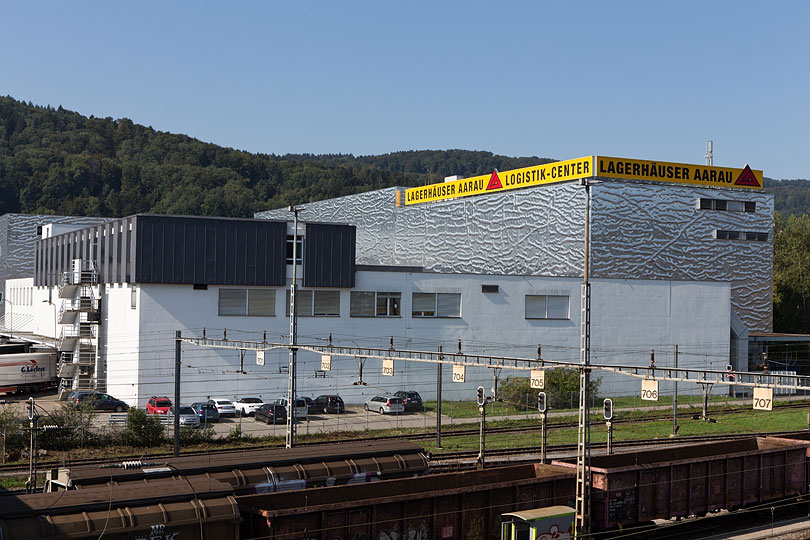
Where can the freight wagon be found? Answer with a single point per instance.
(27, 372)
(637, 487)
(169, 509)
(264, 470)
(463, 506)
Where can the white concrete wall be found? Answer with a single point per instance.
(120, 342)
(18, 305)
(629, 317)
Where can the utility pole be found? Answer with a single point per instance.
(675, 399)
(439, 401)
(290, 439)
(176, 420)
(583, 493)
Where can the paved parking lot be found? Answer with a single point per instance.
(354, 418)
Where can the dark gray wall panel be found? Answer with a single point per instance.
(329, 255)
(175, 249)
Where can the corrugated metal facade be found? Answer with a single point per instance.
(171, 249)
(329, 255)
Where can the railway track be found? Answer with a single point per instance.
(570, 448)
(19, 470)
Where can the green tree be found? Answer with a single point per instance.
(791, 274)
(143, 429)
(560, 384)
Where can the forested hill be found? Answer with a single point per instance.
(436, 163)
(55, 161)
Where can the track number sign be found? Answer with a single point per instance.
(538, 379)
(388, 367)
(649, 390)
(259, 358)
(763, 399)
(326, 362)
(459, 371)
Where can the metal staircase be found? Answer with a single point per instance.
(79, 317)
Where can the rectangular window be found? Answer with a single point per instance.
(299, 253)
(446, 305)
(546, 306)
(375, 304)
(312, 303)
(726, 205)
(261, 303)
(361, 304)
(388, 304)
(247, 302)
(750, 236)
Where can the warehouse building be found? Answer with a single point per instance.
(497, 268)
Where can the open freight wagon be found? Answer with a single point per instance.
(638, 487)
(460, 506)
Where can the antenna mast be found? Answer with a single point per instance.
(709, 153)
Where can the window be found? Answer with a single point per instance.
(436, 305)
(726, 205)
(750, 236)
(247, 302)
(315, 303)
(388, 304)
(375, 304)
(546, 306)
(299, 253)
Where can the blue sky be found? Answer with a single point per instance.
(650, 80)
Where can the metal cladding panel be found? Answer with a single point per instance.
(329, 255)
(185, 250)
(638, 231)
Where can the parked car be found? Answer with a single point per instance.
(410, 399)
(248, 405)
(329, 404)
(206, 412)
(76, 395)
(301, 409)
(100, 401)
(384, 404)
(311, 405)
(224, 406)
(158, 405)
(187, 416)
(271, 413)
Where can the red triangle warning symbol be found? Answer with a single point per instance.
(746, 178)
(495, 182)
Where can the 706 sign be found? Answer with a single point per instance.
(649, 390)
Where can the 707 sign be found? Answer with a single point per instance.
(763, 399)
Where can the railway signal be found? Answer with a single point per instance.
(543, 408)
(481, 398)
(608, 412)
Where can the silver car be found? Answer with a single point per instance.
(385, 405)
(187, 416)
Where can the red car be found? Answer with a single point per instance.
(158, 405)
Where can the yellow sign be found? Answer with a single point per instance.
(388, 367)
(549, 173)
(679, 173)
